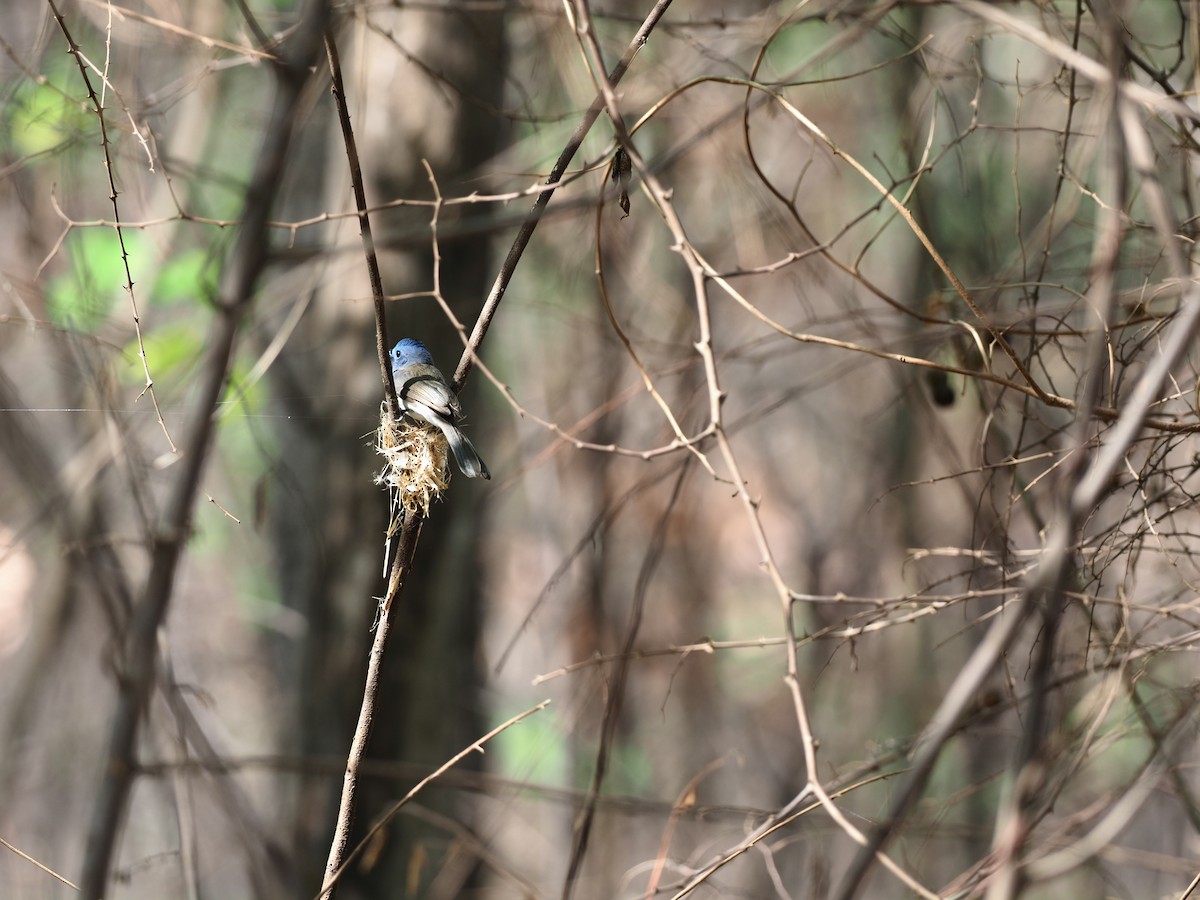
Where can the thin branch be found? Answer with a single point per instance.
(364, 224)
(401, 567)
(616, 691)
(539, 207)
(29, 859)
(98, 109)
(476, 747)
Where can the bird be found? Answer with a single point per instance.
(426, 396)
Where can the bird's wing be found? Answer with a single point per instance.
(431, 392)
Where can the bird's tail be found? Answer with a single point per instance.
(465, 454)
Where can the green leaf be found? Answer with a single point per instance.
(191, 274)
(83, 298)
(534, 750)
(248, 399)
(170, 351)
(41, 118)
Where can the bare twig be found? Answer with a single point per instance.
(685, 800)
(539, 207)
(700, 272)
(29, 859)
(476, 747)
(1025, 801)
(98, 108)
(401, 566)
(364, 223)
(616, 691)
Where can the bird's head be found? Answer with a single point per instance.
(410, 352)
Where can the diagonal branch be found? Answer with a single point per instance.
(552, 181)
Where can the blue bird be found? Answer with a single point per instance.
(425, 396)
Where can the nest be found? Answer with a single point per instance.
(417, 467)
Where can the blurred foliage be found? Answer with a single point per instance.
(84, 297)
(41, 118)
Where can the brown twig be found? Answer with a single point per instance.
(685, 801)
(45, 868)
(1027, 799)
(552, 181)
(401, 566)
(616, 691)
(411, 529)
(364, 223)
(98, 109)
(332, 877)
(701, 272)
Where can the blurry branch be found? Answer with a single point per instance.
(942, 726)
(1027, 798)
(647, 381)
(1090, 68)
(45, 868)
(1059, 863)
(599, 525)
(205, 40)
(842, 630)
(616, 689)
(242, 269)
(471, 781)
(1080, 493)
(261, 846)
(470, 843)
(1184, 791)
(1031, 390)
(1060, 206)
(700, 273)
(1192, 885)
(916, 229)
(824, 248)
(1029, 387)
(98, 109)
(1183, 328)
(264, 40)
(293, 226)
(1128, 144)
(788, 814)
(476, 747)
(685, 800)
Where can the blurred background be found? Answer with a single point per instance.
(886, 487)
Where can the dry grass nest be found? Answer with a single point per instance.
(417, 462)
